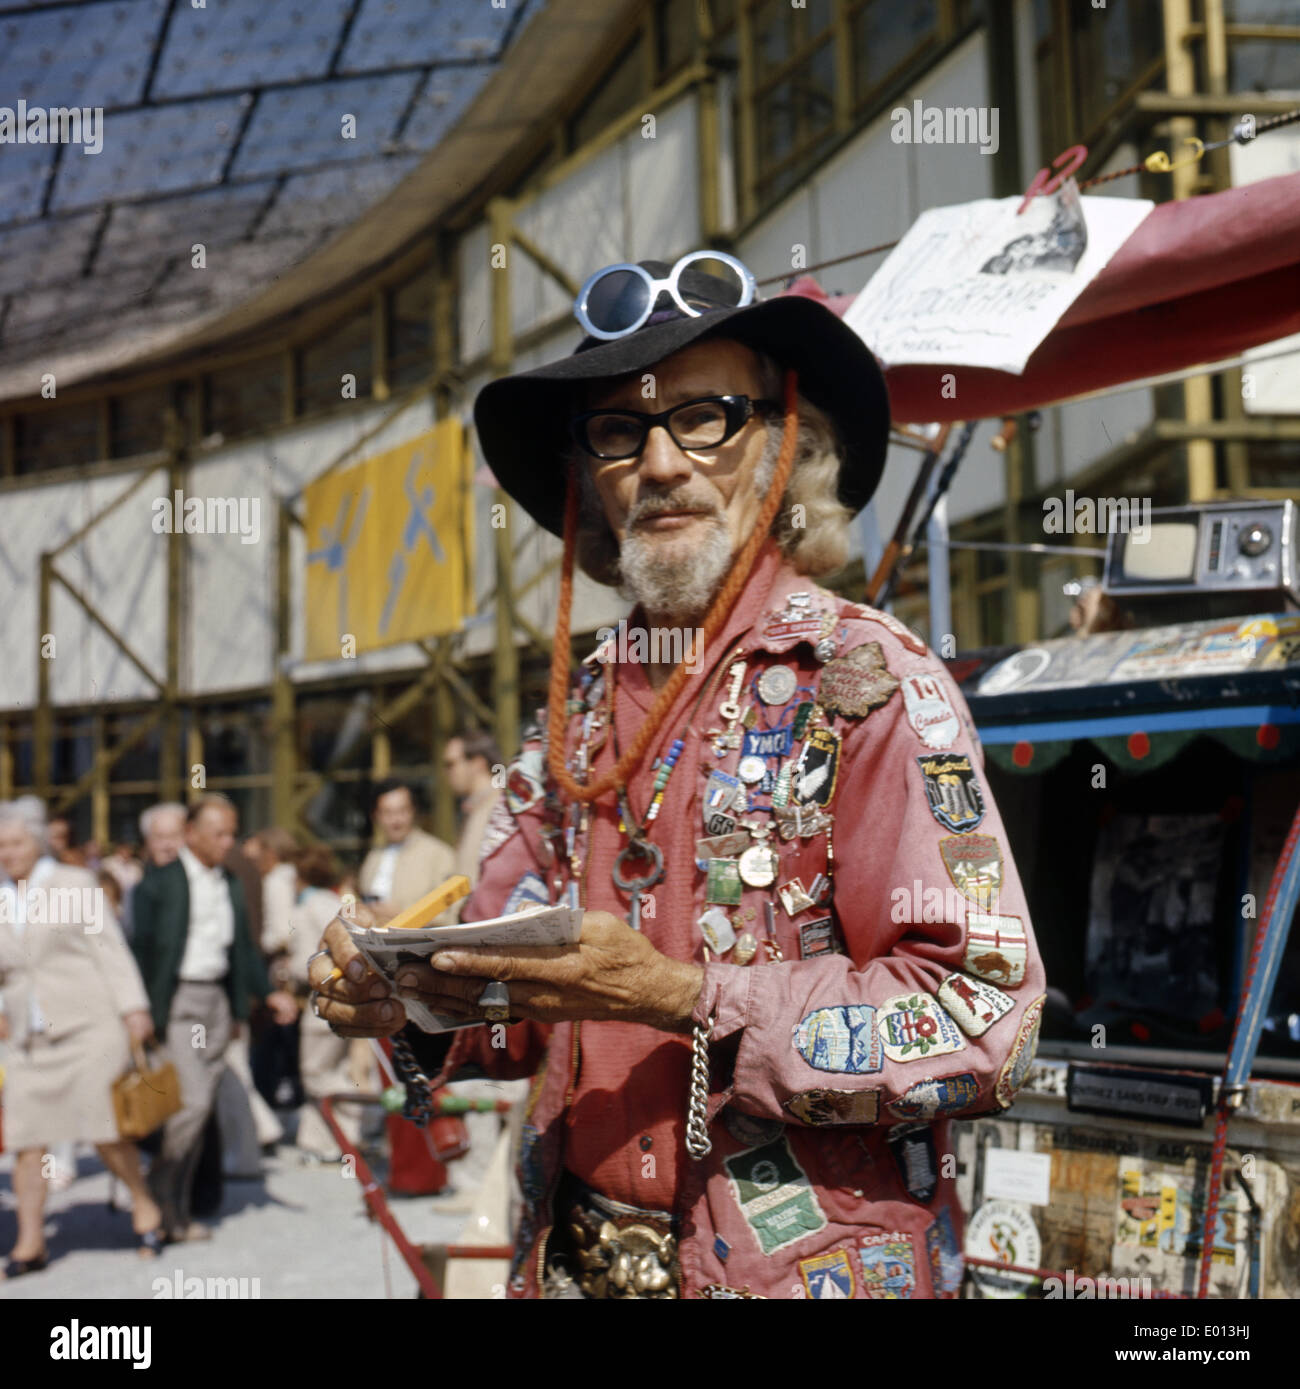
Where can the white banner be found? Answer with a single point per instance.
(976, 285)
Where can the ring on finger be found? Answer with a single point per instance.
(315, 1003)
(319, 955)
(494, 1002)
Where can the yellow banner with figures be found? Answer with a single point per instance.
(388, 542)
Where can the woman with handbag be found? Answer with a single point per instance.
(72, 1007)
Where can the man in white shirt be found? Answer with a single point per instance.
(201, 968)
(410, 863)
(468, 762)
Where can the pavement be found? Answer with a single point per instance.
(298, 1232)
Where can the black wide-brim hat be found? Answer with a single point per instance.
(523, 420)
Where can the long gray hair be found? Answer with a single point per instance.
(812, 526)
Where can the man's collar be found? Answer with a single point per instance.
(193, 865)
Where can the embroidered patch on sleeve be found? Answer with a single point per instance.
(914, 1026)
(835, 1106)
(842, 1039)
(933, 1098)
(930, 711)
(1022, 1055)
(530, 890)
(973, 1004)
(995, 948)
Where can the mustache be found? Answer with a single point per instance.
(672, 501)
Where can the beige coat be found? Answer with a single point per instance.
(58, 1081)
(81, 976)
(423, 862)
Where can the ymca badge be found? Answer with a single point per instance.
(835, 1106)
(857, 683)
(840, 1039)
(995, 948)
(1022, 1054)
(888, 1266)
(972, 1004)
(913, 1026)
(827, 1275)
(913, 1148)
(930, 711)
(524, 780)
(528, 891)
(774, 1195)
(974, 863)
(946, 1263)
(956, 800)
(819, 762)
(933, 1099)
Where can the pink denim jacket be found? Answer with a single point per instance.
(840, 1050)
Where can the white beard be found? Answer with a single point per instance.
(664, 585)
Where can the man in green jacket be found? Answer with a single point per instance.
(201, 968)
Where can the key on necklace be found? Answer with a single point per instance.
(635, 886)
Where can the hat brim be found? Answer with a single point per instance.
(523, 420)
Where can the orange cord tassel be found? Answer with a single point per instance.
(557, 713)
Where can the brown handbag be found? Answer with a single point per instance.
(144, 1099)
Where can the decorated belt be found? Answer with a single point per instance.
(619, 1251)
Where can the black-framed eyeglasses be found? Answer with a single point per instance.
(703, 423)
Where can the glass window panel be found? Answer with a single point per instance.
(235, 739)
(385, 34)
(246, 43)
(139, 763)
(136, 421)
(26, 168)
(342, 350)
(95, 55)
(615, 95)
(675, 26)
(73, 749)
(334, 197)
(244, 399)
(157, 231)
(304, 125)
(43, 253)
(1112, 47)
(773, 35)
(1265, 65)
(410, 331)
(446, 97)
(888, 35)
(157, 149)
(1261, 12)
(56, 436)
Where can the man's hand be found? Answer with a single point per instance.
(139, 1025)
(359, 1004)
(613, 974)
(284, 1008)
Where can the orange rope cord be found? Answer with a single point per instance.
(557, 719)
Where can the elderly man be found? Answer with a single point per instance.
(805, 943)
(201, 969)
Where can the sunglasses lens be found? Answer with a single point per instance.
(726, 288)
(617, 300)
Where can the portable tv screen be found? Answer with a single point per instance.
(1167, 556)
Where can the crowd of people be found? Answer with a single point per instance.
(197, 942)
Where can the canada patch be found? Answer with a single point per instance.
(1022, 1054)
(827, 1275)
(888, 1266)
(995, 948)
(974, 863)
(914, 1026)
(934, 1098)
(973, 1004)
(841, 1039)
(953, 791)
(930, 711)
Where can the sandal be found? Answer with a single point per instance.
(149, 1243)
(15, 1268)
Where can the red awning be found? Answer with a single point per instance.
(1199, 281)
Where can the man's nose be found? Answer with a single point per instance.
(661, 460)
